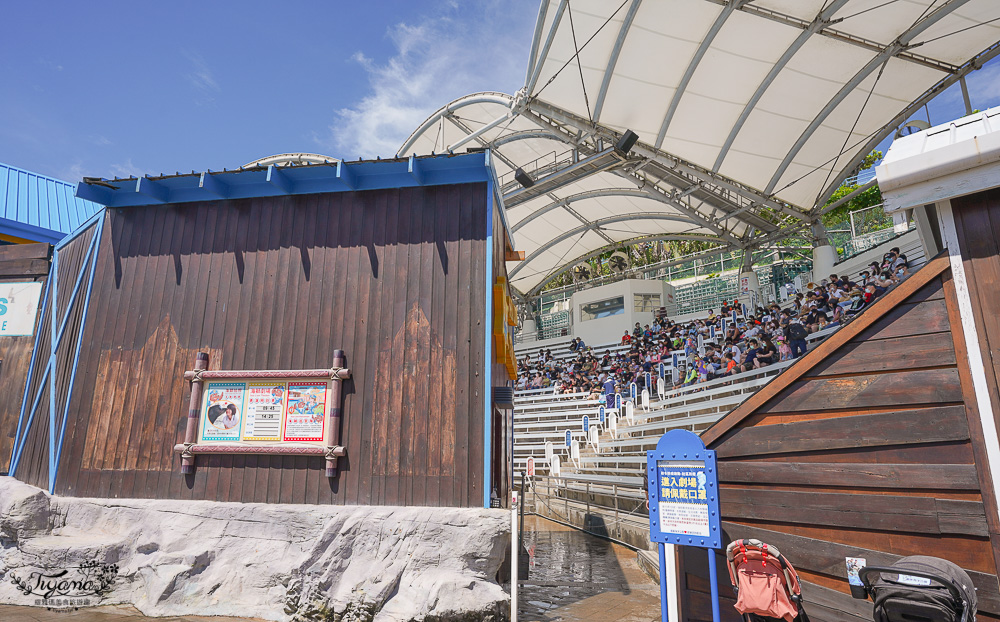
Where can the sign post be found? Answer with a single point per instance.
(684, 503)
(514, 546)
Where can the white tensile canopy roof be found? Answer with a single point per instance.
(749, 114)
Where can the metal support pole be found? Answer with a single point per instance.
(514, 546)
(664, 616)
(520, 529)
(614, 493)
(713, 580)
(965, 96)
(194, 410)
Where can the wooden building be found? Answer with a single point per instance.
(399, 263)
(883, 441)
(19, 264)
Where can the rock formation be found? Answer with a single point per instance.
(277, 562)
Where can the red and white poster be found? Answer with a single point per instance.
(305, 412)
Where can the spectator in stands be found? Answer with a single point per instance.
(766, 354)
(767, 335)
(749, 359)
(784, 351)
(796, 335)
(729, 364)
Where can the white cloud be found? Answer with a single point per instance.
(436, 60)
(201, 78)
(984, 86)
(125, 169)
(74, 173)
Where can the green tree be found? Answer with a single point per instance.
(868, 198)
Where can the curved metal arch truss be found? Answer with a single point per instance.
(767, 108)
(603, 222)
(642, 239)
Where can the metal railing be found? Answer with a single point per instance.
(567, 499)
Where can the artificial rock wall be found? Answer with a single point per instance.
(277, 562)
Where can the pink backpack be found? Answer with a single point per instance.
(765, 583)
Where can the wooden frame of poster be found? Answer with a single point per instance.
(281, 412)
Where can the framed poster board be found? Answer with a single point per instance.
(264, 412)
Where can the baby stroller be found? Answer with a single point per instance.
(920, 589)
(766, 585)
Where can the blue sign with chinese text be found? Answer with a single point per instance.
(683, 492)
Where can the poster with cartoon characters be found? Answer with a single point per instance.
(265, 406)
(223, 410)
(305, 413)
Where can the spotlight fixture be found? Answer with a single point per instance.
(626, 142)
(523, 178)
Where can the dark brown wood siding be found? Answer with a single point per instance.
(395, 278)
(977, 224)
(18, 263)
(864, 451)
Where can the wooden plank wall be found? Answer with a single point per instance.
(18, 263)
(869, 454)
(395, 278)
(977, 223)
(34, 464)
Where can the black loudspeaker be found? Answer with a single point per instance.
(523, 178)
(503, 398)
(626, 142)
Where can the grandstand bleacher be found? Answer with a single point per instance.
(600, 476)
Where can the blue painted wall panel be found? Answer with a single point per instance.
(39, 208)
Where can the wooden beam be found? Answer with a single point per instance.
(510, 255)
(904, 476)
(812, 358)
(25, 251)
(926, 425)
(24, 267)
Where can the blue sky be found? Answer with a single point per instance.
(117, 89)
(120, 88)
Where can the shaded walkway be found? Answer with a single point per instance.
(578, 577)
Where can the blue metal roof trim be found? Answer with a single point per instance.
(40, 208)
(286, 180)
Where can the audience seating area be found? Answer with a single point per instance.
(600, 472)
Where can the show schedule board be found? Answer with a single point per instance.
(264, 412)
